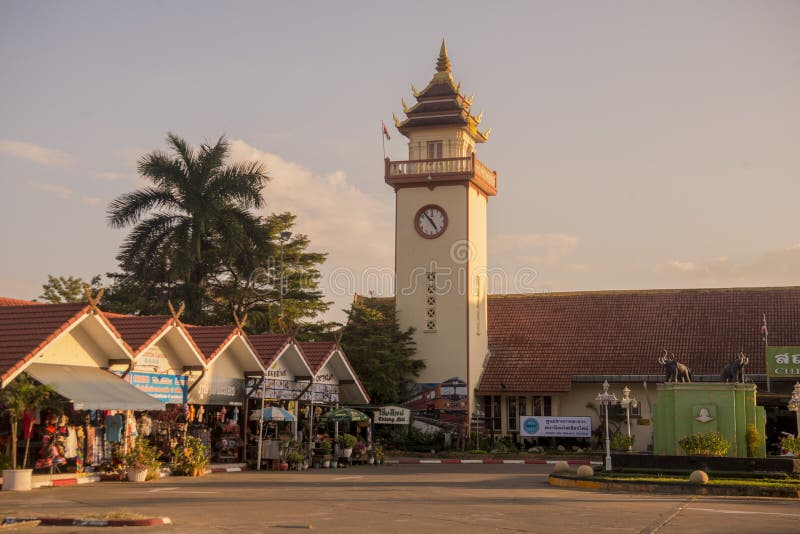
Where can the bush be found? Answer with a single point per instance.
(621, 442)
(705, 444)
(346, 441)
(791, 444)
(754, 440)
(191, 459)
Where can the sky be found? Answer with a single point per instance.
(638, 145)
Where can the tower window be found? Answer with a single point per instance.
(435, 150)
(430, 301)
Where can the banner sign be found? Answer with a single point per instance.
(166, 388)
(219, 391)
(392, 415)
(555, 427)
(783, 362)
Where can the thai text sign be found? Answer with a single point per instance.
(555, 427)
(783, 362)
(392, 415)
(166, 388)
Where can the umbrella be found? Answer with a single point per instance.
(272, 414)
(344, 415)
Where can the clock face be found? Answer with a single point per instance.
(431, 221)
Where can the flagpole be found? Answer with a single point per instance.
(766, 346)
(383, 139)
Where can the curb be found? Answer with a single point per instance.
(485, 461)
(57, 482)
(237, 469)
(672, 488)
(66, 522)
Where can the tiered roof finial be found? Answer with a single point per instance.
(443, 63)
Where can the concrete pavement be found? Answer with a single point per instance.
(403, 498)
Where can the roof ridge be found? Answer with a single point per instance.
(656, 291)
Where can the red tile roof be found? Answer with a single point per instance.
(139, 331)
(8, 301)
(317, 352)
(25, 330)
(210, 339)
(539, 342)
(269, 346)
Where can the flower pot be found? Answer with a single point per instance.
(17, 479)
(284, 466)
(347, 453)
(334, 463)
(370, 460)
(137, 474)
(326, 464)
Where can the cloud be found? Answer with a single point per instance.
(110, 176)
(773, 267)
(58, 190)
(354, 228)
(91, 201)
(35, 153)
(533, 249)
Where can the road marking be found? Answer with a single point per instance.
(180, 491)
(347, 478)
(744, 512)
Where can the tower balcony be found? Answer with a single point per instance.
(444, 171)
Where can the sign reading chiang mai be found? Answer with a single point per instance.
(392, 415)
(555, 427)
(783, 362)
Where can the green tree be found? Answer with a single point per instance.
(20, 396)
(250, 282)
(381, 353)
(67, 289)
(197, 210)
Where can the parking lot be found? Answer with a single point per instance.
(401, 498)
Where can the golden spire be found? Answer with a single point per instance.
(443, 63)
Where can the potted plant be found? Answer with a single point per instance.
(295, 460)
(191, 459)
(21, 396)
(359, 450)
(142, 462)
(378, 453)
(326, 461)
(346, 443)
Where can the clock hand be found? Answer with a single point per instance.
(435, 228)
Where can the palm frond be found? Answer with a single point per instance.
(130, 208)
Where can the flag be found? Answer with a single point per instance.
(385, 131)
(764, 331)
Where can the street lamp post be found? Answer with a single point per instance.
(284, 237)
(628, 402)
(606, 400)
(794, 405)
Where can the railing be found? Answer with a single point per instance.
(431, 166)
(469, 165)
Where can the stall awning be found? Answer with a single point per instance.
(90, 388)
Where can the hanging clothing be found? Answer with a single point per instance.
(71, 443)
(145, 425)
(114, 428)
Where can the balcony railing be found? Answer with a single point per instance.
(441, 169)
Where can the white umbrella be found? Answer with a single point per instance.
(272, 414)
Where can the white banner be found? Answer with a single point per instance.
(392, 415)
(556, 427)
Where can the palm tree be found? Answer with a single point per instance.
(196, 212)
(19, 397)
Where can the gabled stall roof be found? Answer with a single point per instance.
(142, 332)
(214, 340)
(271, 347)
(318, 353)
(26, 330)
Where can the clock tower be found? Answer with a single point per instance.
(440, 240)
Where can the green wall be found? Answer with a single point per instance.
(730, 409)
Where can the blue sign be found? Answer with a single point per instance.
(531, 426)
(557, 427)
(171, 389)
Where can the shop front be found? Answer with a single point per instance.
(217, 400)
